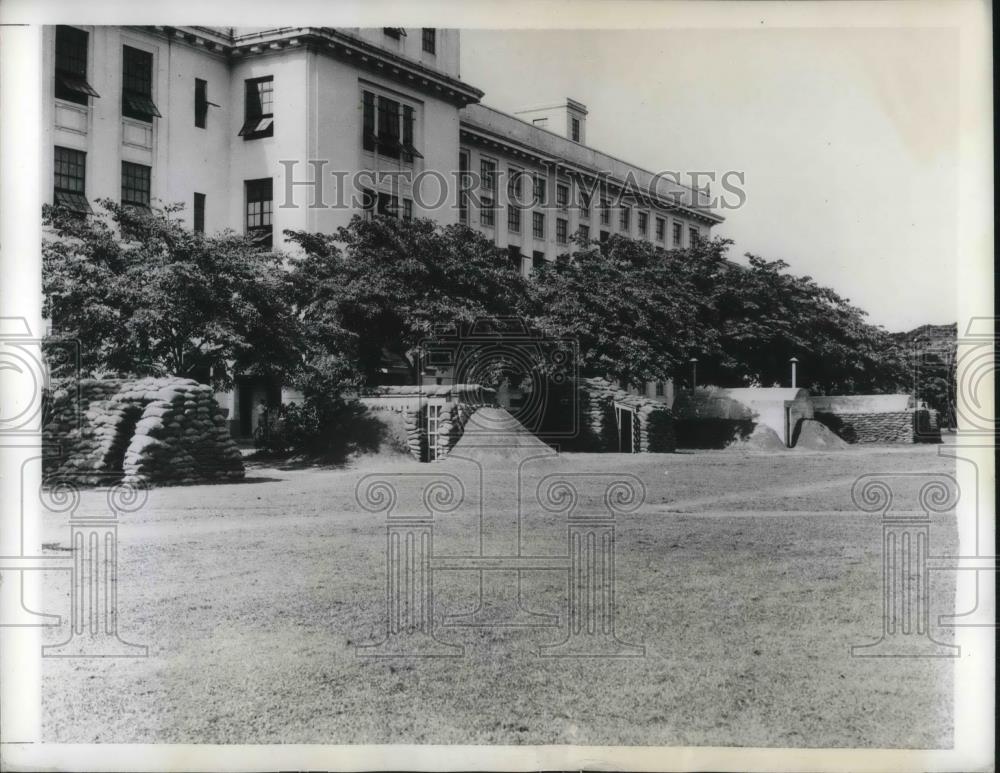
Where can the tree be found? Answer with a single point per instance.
(142, 295)
(382, 286)
(635, 313)
(765, 316)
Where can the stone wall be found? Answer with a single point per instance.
(154, 430)
(909, 426)
(653, 435)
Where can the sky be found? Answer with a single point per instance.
(847, 139)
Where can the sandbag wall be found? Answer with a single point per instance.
(910, 426)
(154, 430)
(654, 430)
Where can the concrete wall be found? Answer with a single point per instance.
(778, 408)
(861, 403)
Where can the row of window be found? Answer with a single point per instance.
(70, 186)
(382, 203)
(71, 75)
(137, 86)
(487, 210)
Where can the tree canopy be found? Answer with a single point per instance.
(143, 295)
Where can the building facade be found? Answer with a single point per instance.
(239, 125)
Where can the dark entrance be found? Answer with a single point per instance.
(251, 391)
(625, 419)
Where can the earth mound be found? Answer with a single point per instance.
(813, 435)
(494, 434)
(762, 439)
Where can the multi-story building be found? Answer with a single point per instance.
(241, 124)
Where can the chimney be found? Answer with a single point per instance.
(567, 119)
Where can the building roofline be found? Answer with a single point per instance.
(468, 124)
(334, 42)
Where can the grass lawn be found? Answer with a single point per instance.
(746, 578)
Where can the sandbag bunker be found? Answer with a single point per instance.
(149, 430)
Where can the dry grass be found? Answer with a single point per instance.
(746, 578)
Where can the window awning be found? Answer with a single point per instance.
(256, 125)
(141, 104)
(410, 150)
(77, 84)
(74, 201)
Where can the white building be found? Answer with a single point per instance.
(207, 116)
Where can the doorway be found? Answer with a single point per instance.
(625, 420)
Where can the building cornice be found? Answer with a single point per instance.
(333, 42)
(471, 132)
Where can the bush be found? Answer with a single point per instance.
(660, 432)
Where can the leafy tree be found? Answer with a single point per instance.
(142, 295)
(764, 316)
(635, 314)
(379, 287)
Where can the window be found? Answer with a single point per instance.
(538, 225)
(537, 259)
(388, 127)
(407, 209)
(584, 232)
(562, 196)
(562, 230)
(368, 200)
(201, 103)
(135, 184)
(574, 129)
(540, 122)
(386, 204)
(71, 66)
(514, 177)
(584, 205)
(676, 234)
(605, 212)
(661, 229)
(539, 190)
(624, 218)
(488, 174)
(487, 211)
(258, 108)
(643, 224)
(199, 213)
(137, 85)
(514, 255)
(513, 218)
(71, 180)
(429, 40)
(394, 32)
(659, 389)
(260, 209)
(463, 189)
(693, 236)
(409, 149)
